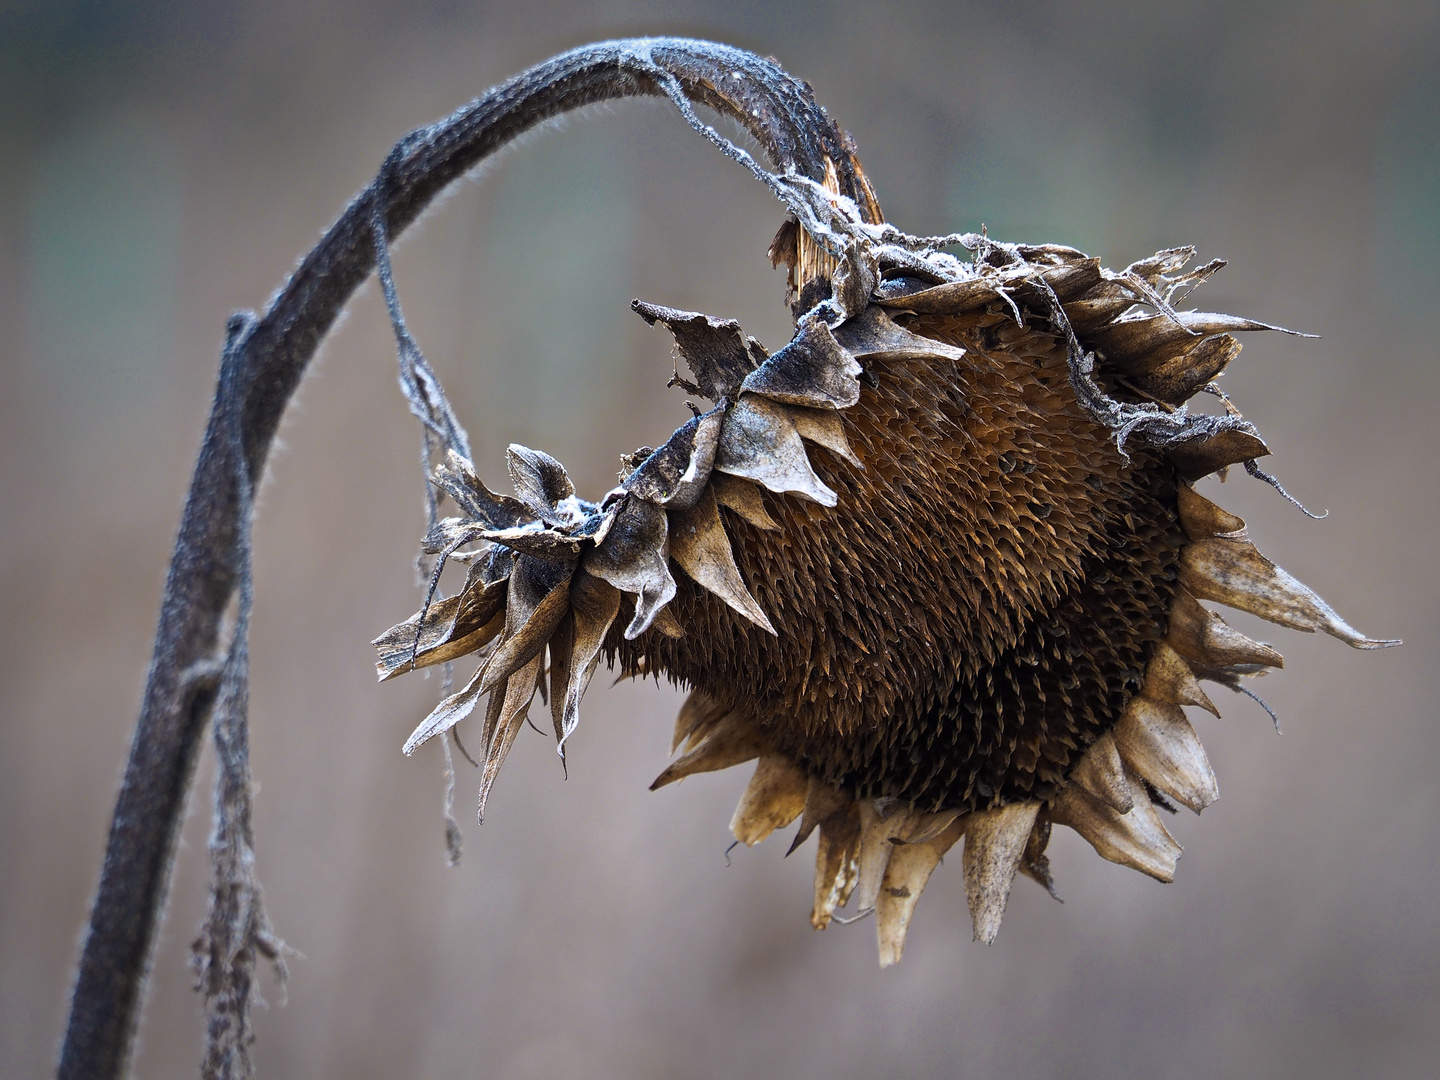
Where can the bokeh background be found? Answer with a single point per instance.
(164, 163)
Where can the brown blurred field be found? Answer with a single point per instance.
(162, 164)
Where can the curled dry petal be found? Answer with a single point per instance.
(634, 557)
(715, 350)
(447, 714)
(699, 544)
(1138, 346)
(1202, 519)
(760, 442)
(812, 370)
(905, 879)
(1158, 743)
(540, 481)
(1178, 379)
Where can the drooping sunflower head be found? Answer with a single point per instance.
(936, 565)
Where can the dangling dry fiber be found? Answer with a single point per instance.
(936, 565)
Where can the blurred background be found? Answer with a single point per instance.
(164, 163)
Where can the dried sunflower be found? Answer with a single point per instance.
(936, 565)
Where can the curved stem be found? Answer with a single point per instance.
(206, 564)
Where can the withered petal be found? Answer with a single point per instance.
(760, 442)
(811, 370)
(699, 544)
(715, 350)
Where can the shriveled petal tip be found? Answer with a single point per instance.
(446, 715)
(519, 692)
(714, 349)
(1202, 519)
(994, 846)
(1233, 572)
(593, 606)
(906, 876)
(773, 799)
(760, 442)
(699, 545)
(824, 427)
(1169, 677)
(1196, 458)
(812, 370)
(456, 477)
(744, 498)
(1158, 743)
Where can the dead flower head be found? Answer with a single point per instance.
(937, 565)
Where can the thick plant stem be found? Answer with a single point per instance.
(206, 563)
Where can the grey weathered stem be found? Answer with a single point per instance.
(206, 564)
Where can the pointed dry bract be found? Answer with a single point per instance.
(836, 863)
(593, 606)
(1234, 573)
(874, 335)
(1158, 743)
(1137, 839)
(1198, 634)
(519, 692)
(744, 498)
(699, 544)
(714, 349)
(905, 879)
(1168, 677)
(773, 799)
(994, 846)
(733, 741)
(824, 428)
(1202, 519)
(525, 640)
(446, 715)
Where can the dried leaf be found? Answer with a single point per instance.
(1196, 458)
(634, 557)
(812, 370)
(446, 715)
(1178, 379)
(877, 831)
(1169, 677)
(714, 349)
(836, 863)
(1138, 346)
(456, 477)
(519, 692)
(1202, 519)
(698, 714)
(540, 481)
(760, 442)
